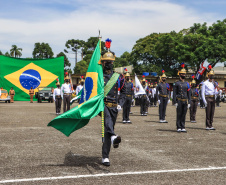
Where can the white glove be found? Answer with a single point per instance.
(168, 101)
(189, 106)
(118, 92)
(205, 104)
(132, 100)
(119, 107)
(176, 104)
(159, 101)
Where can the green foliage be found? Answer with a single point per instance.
(123, 60)
(15, 51)
(42, 51)
(7, 54)
(66, 61)
(81, 67)
(1, 53)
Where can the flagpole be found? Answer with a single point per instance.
(102, 113)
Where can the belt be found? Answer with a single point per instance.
(58, 96)
(66, 93)
(165, 96)
(110, 104)
(194, 97)
(128, 95)
(182, 99)
(210, 96)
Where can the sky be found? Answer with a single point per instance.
(25, 22)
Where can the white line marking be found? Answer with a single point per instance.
(24, 74)
(112, 174)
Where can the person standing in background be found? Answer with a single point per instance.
(57, 97)
(11, 93)
(31, 93)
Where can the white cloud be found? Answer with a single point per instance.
(122, 21)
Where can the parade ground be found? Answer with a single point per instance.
(150, 152)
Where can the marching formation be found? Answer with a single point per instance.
(111, 92)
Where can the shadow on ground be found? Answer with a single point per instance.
(76, 160)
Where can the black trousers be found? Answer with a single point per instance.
(218, 100)
(110, 116)
(162, 107)
(126, 108)
(193, 109)
(181, 114)
(210, 111)
(66, 102)
(143, 100)
(58, 104)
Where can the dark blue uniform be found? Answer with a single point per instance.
(111, 111)
(181, 95)
(128, 100)
(162, 93)
(194, 103)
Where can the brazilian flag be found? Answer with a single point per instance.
(22, 74)
(91, 102)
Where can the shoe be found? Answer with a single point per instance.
(207, 128)
(124, 121)
(56, 113)
(164, 121)
(129, 121)
(160, 121)
(183, 130)
(212, 128)
(105, 162)
(131, 113)
(144, 114)
(178, 130)
(141, 114)
(115, 140)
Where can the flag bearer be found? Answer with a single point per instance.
(80, 86)
(129, 94)
(181, 95)
(194, 100)
(209, 90)
(113, 104)
(57, 97)
(163, 95)
(66, 93)
(11, 93)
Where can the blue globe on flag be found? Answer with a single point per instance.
(30, 78)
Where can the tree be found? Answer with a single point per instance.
(81, 67)
(42, 51)
(66, 61)
(15, 51)
(1, 53)
(7, 54)
(123, 60)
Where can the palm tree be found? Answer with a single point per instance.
(15, 51)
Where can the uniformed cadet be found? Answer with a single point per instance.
(128, 100)
(181, 94)
(202, 106)
(209, 90)
(151, 94)
(163, 95)
(66, 93)
(57, 97)
(11, 93)
(194, 100)
(147, 102)
(113, 104)
(31, 93)
(80, 87)
(143, 99)
(218, 96)
(155, 95)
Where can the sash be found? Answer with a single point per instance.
(111, 83)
